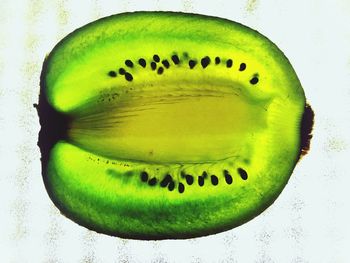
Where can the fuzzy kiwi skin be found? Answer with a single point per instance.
(104, 193)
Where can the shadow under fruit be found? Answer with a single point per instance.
(160, 125)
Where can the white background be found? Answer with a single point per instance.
(309, 222)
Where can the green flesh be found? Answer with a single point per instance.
(175, 123)
(210, 122)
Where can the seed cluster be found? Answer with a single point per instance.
(169, 183)
(158, 65)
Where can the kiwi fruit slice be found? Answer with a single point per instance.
(162, 125)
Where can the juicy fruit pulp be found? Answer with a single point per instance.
(167, 125)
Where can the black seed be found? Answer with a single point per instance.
(242, 67)
(205, 61)
(122, 71)
(228, 177)
(229, 63)
(204, 174)
(217, 60)
(129, 63)
(175, 59)
(112, 73)
(156, 58)
(167, 179)
(153, 181)
(128, 76)
(214, 180)
(153, 65)
(192, 63)
(189, 179)
(166, 63)
(144, 176)
(242, 173)
(200, 180)
(142, 62)
(254, 80)
(171, 186)
(160, 70)
(181, 188)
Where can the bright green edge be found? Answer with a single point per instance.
(94, 200)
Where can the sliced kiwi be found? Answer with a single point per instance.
(158, 125)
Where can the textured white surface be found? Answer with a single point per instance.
(309, 222)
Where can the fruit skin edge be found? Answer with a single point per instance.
(73, 215)
(61, 50)
(46, 143)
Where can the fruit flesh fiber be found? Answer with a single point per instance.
(172, 124)
(184, 120)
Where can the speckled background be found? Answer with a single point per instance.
(309, 222)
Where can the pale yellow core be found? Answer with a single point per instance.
(171, 125)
